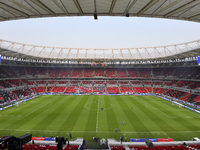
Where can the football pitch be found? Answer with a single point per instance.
(90, 116)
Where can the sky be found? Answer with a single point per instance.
(104, 33)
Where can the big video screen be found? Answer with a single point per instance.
(199, 60)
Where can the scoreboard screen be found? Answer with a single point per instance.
(199, 60)
(0, 59)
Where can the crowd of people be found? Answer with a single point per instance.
(9, 96)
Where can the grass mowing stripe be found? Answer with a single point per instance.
(78, 115)
(74, 110)
(149, 122)
(154, 116)
(17, 123)
(82, 119)
(165, 108)
(111, 116)
(102, 123)
(84, 114)
(91, 119)
(39, 118)
(132, 116)
(49, 114)
(146, 120)
(182, 120)
(175, 123)
(59, 119)
(124, 114)
(13, 112)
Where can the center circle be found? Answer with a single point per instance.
(96, 106)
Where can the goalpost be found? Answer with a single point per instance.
(176, 103)
(180, 105)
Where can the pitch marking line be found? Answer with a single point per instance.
(167, 102)
(41, 107)
(194, 114)
(21, 106)
(166, 135)
(11, 115)
(97, 115)
(125, 132)
(158, 110)
(164, 113)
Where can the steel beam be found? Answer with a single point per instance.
(61, 7)
(29, 51)
(167, 7)
(194, 17)
(145, 8)
(95, 6)
(14, 10)
(24, 7)
(33, 7)
(112, 6)
(121, 53)
(86, 54)
(159, 7)
(51, 52)
(77, 54)
(130, 54)
(78, 6)
(148, 53)
(44, 7)
(2, 18)
(69, 53)
(182, 8)
(129, 6)
(40, 52)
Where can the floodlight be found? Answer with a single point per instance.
(95, 16)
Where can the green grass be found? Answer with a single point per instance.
(151, 117)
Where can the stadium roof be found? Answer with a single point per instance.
(174, 9)
(170, 52)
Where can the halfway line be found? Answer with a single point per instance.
(97, 115)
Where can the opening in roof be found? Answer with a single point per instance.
(104, 33)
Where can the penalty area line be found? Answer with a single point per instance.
(41, 107)
(158, 110)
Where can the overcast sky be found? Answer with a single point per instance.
(106, 32)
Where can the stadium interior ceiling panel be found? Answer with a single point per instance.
(173, 9)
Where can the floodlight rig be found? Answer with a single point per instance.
(95, 11)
